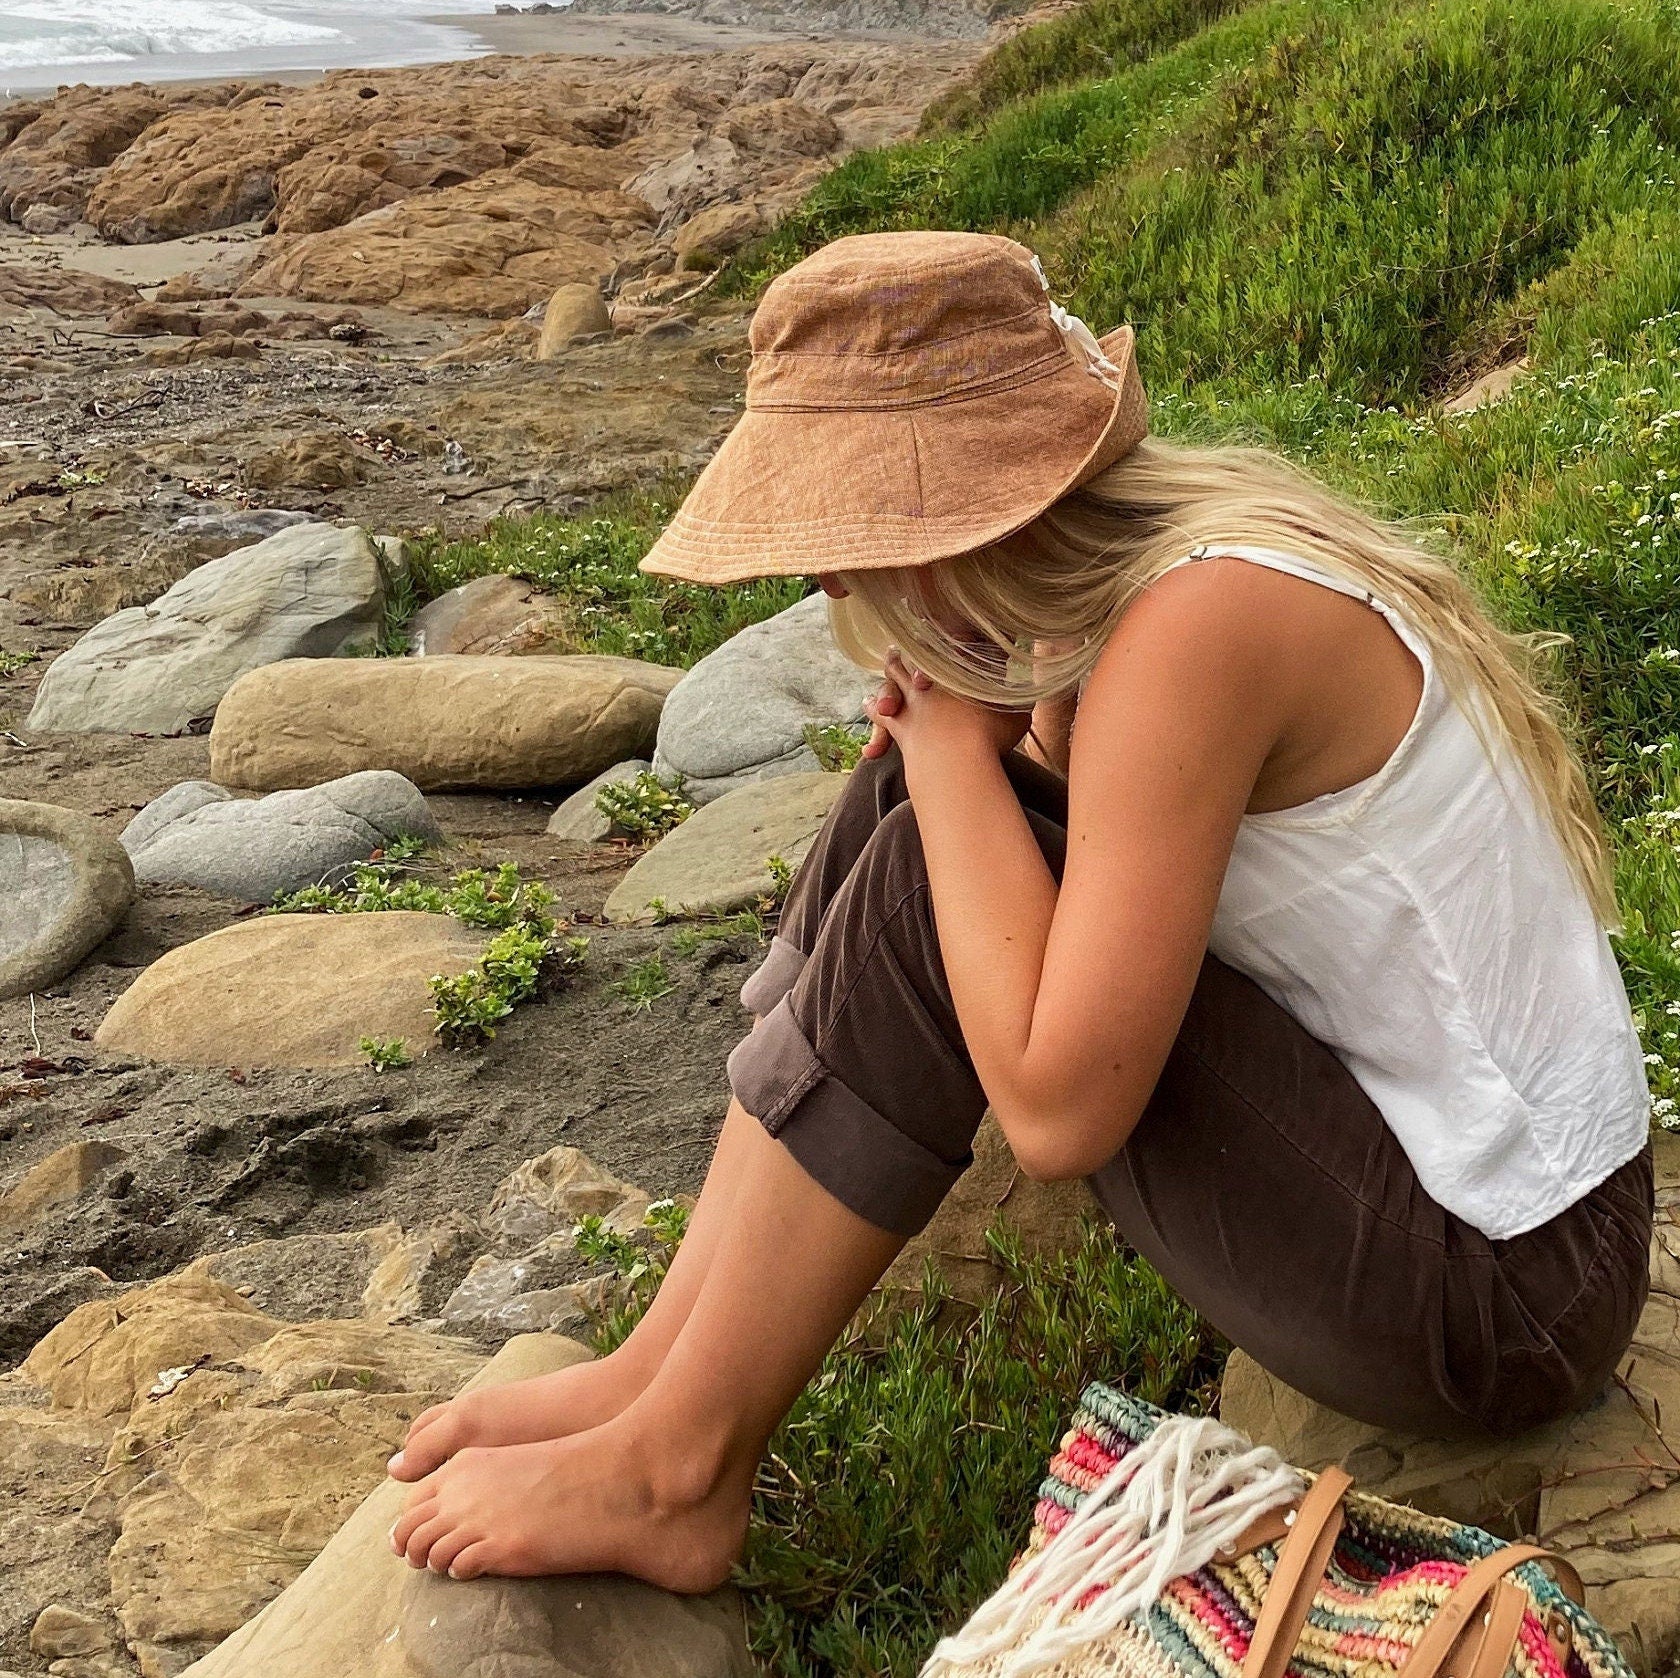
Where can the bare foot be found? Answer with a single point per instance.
(520, 1413)
(593, 1503)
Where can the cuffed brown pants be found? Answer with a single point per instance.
(1261, 1181)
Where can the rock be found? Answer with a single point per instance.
(705, 239)
(359, 1609)
(291, 990)
(313, 590)
(538, 1292)
(106, 1356)
(546, 1196)
(199, 834)
(232, 1481)
(494, 614)
(742, 711)
(303, 1276)
(61, 1177)
(66, 884)
(1047, 1218)
(717, 860)
(1586, 1483)
(316, 460)
(240, 525)
(414, 1279)
(461, 721)
(213, 346)
(1493, 386)
(578, 820)
(65, 291)
(60, 1630)
(573, 311)
(47, 219)
(670, 328)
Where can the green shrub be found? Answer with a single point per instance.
(646, 808)
(836, 746)
(385, 1054)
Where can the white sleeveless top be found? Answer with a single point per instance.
(1426, 925)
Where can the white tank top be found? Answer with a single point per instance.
(1426, 925)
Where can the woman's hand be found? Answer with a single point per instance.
(921, 719)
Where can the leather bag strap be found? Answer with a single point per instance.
(1463, 1641)
(1301, 1562)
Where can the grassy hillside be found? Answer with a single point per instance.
(1322, 217)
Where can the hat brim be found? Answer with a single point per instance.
(796, 491)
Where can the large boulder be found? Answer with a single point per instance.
(359, 1609)
(718, 860)
(741, 713)
(199, 834)
(291, 990)
(65, 883)
(494, 614)
(310, 591)
(1600, 1486)
(573, 311)
(452, 721)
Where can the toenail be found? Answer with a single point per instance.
(396, 1461)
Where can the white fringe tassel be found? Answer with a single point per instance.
(1164, 1510)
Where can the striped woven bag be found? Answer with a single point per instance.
(1170, 1547)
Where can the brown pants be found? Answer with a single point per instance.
(1261, 1181)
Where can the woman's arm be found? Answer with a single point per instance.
(1070, 999)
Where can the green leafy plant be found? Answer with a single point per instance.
(386, 1054)
(646, 808)
(11, 663)
(644, 983)
(470, 1006)
(837, 746)
(781, 877)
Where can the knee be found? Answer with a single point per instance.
(876, 786)
(893, 858)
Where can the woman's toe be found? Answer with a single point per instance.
(420, 1541)
(471, 1561)
(422, 1506)
(445, 1549)
(431, 1439)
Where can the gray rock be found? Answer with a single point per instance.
(65, 883)
(199, 834)
(577, 820)
(741, 713)
(543, 1291)
(248, 524)
(716, 861)
(312, 591)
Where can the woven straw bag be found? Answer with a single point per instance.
(1169, 1547)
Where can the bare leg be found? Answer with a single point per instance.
(587, 1394)
(662, 1489)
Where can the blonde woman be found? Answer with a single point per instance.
(1294, 946)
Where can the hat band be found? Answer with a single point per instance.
(861, 383)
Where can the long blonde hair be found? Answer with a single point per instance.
(1069, 576)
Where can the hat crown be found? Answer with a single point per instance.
(897, 319)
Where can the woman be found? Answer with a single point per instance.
(1303, 964)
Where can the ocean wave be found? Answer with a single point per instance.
(35, 32)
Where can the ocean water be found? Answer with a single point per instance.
(46, 42)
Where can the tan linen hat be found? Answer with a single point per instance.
(911, 396)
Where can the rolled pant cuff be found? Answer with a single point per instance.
(860, 1157)
(774, 977)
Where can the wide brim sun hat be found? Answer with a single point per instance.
(911, 396)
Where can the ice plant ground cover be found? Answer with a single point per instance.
(1322, 218)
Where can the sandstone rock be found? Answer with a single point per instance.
(60, 1630)
(317, 460)
(291, 990)
(105, 1357)
(303, 1276)
(717, 860)
(62, 1176)
(492, 246)
(451, 721)
(158, 319)
(573, 311)
(359, 1609)
(1599, 1487)
(198, 834)
(704, 239)
(65, 291)
(66, 884)
(1046, 1218)
(213, 346)
(546, 1196)
(742, 711)
(421, 1270)
(538, 1292)
(309, 591)
(1493, 386)
(578, 820)
(494, 614)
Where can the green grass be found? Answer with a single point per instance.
(589, 562)
(643, 983)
